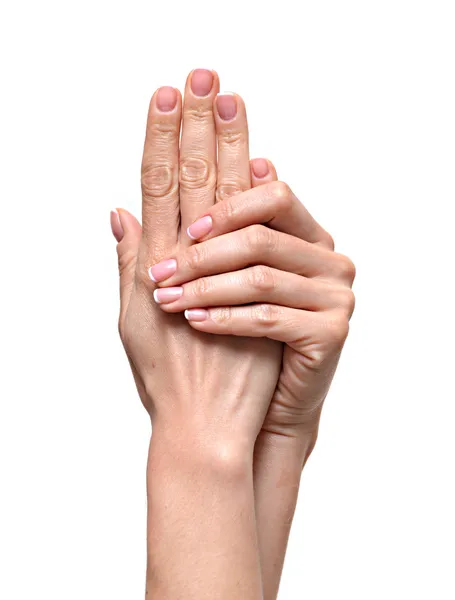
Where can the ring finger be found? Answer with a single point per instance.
(233, 174)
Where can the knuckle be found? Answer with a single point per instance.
(196, 173)
(281, 191)
(194, 257)
(226, 211)
(259, 238)
(198, 112)
(261, 279)
(265, 315)
(346, 268)
(126, 261)
(346, 300)
(228, 189)
(337, 331)
(163, 133)
(232, 137)
(222, 315)
(158, 181)
(200, 287)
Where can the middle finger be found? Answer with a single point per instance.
(198, 148)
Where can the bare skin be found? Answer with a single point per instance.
(262, 275)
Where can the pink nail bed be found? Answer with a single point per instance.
(200, 228)
(163, 270)
(196, 314)
(226, 105)
(166, 295)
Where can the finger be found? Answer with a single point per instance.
(262, 171)
(160, 200)
(198, 147)
(253, 245)
(233, 174)
(272, 204)
(256, 284)
(127, 231)
(300, 329)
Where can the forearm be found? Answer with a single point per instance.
(278, 463)
(202, 541)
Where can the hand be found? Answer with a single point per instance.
(184, 377)
(264, 267)
(207, 396)
(292, 287)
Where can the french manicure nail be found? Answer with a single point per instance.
(226, 105)
(166, 295)
(163, 270)
(201, 82)
(196, 314)
(260, 167)
(166, 99)
(116, 226)
(200, 228)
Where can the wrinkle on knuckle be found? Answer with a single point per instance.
(196, 173)
(163, 133)
(126, 261)
(200, 287)
(227, 189)
(194, 257)
(222, 315)
(232, 137)
(259, 238)
(261, 279)
(265, 315)
(198, 112)
(226, 211)
(158, 181)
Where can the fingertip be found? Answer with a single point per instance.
(116, 225)
(262, 171)
(129, 224)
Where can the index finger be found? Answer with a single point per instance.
(272, 204)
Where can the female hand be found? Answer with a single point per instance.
(265, 268)
(207, 395)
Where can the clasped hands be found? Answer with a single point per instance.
(234, 311)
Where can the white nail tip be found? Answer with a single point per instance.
(151, 276)
(226, 94)
(155, 297)
(187, 315)
(189, 234)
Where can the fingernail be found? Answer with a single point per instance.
(166, 295)
(166, 99)
(163, 270)
(200, 228)
(201, 82)
(226, 105)
(196, 314)
(116, 226)
(260, 167)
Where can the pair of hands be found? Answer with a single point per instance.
(227, 246)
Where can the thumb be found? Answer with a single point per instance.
(127, 231)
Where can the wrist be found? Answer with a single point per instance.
(200, 451)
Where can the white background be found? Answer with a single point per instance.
(354, 102)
